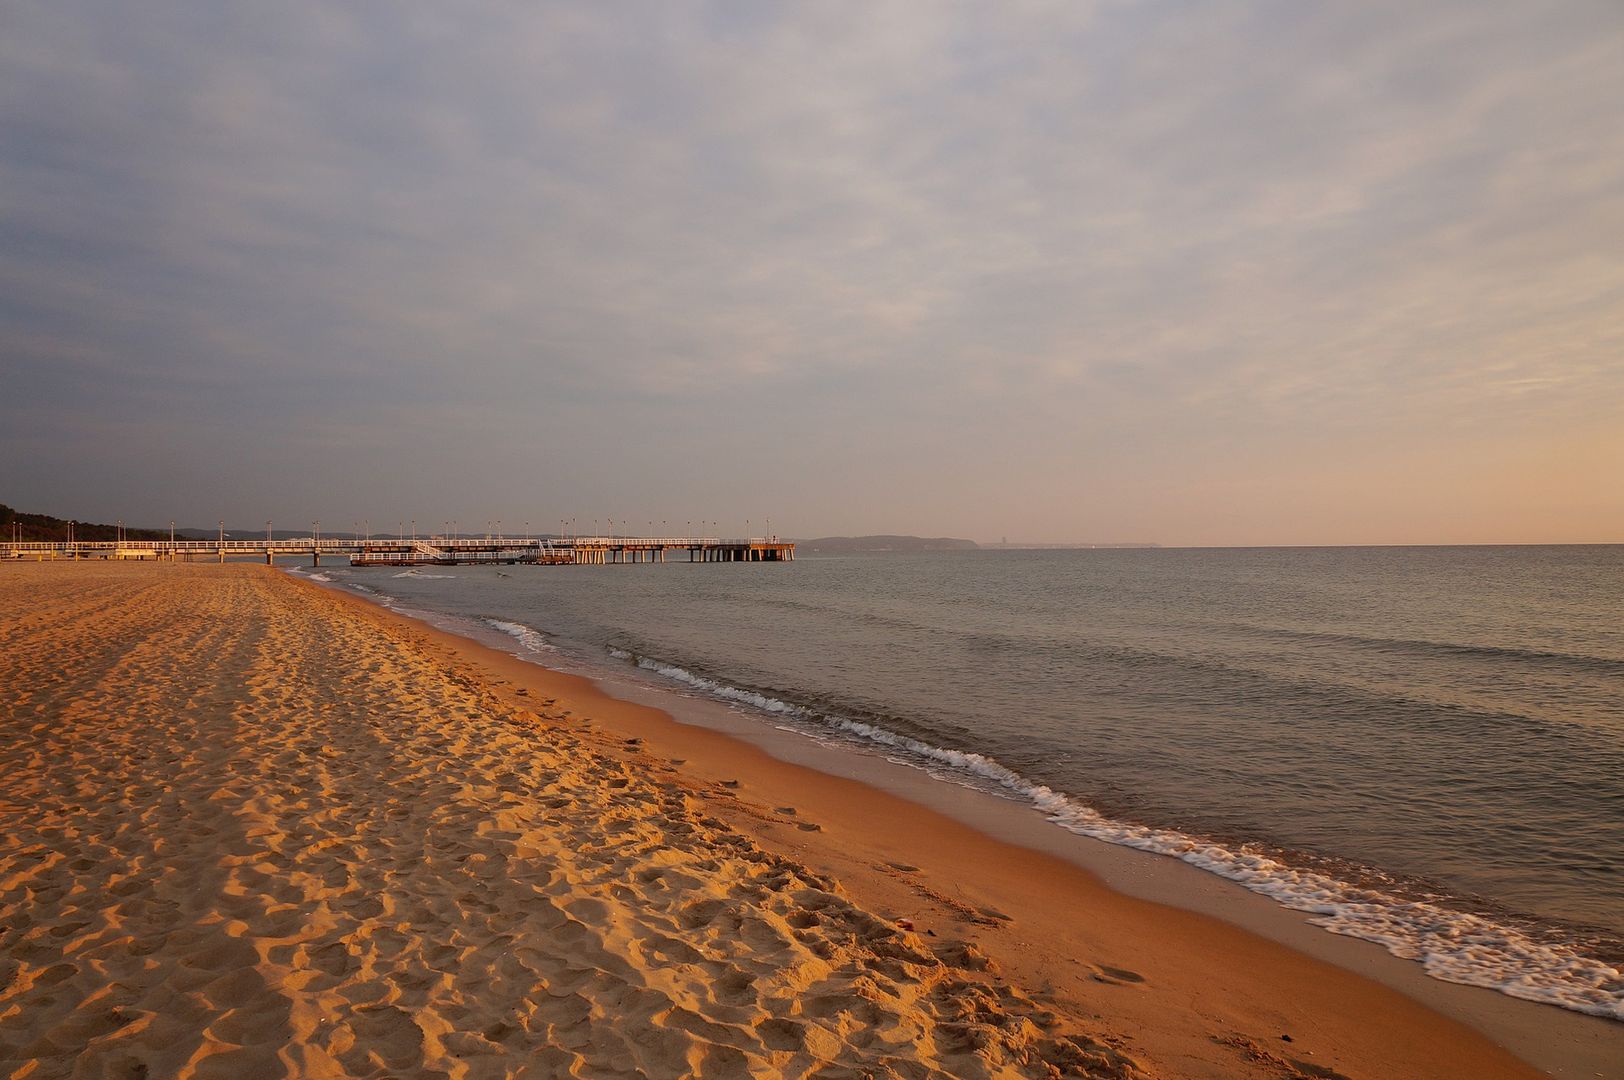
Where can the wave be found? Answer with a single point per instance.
(1453, 946)
(715, 689)
(528, 636)
(426, 577)
(1539, 657)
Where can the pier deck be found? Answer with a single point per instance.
(430, 551)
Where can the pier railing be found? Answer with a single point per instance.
(597, 550)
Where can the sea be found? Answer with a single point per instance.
(1422, 747)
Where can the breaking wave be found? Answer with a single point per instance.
(528, 636)
(1451, 945)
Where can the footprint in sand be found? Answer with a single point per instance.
(1116, 976)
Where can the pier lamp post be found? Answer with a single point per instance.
(171, 537)
(267, 533)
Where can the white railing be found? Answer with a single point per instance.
(424, 545)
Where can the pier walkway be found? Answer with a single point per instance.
(427, 551)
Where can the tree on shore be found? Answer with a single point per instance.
(43, 527)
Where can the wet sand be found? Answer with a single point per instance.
(249, 827)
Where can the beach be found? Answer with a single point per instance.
(251, 827)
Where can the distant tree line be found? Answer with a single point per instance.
(43, 527)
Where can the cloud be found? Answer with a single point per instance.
(1048, 229)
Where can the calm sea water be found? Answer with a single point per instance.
(1422, 746)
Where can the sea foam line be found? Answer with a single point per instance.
(1452, 946)
(528, 636)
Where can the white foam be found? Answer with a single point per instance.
(531, 638)
(320, 577)
(1450, 945)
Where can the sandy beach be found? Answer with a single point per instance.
(250, 827)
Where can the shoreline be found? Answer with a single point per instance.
(256, 823)
(1553, 1040)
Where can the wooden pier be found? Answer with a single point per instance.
(429, 551)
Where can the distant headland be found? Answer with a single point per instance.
(871, 545)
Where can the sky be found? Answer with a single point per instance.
(1225, 273)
